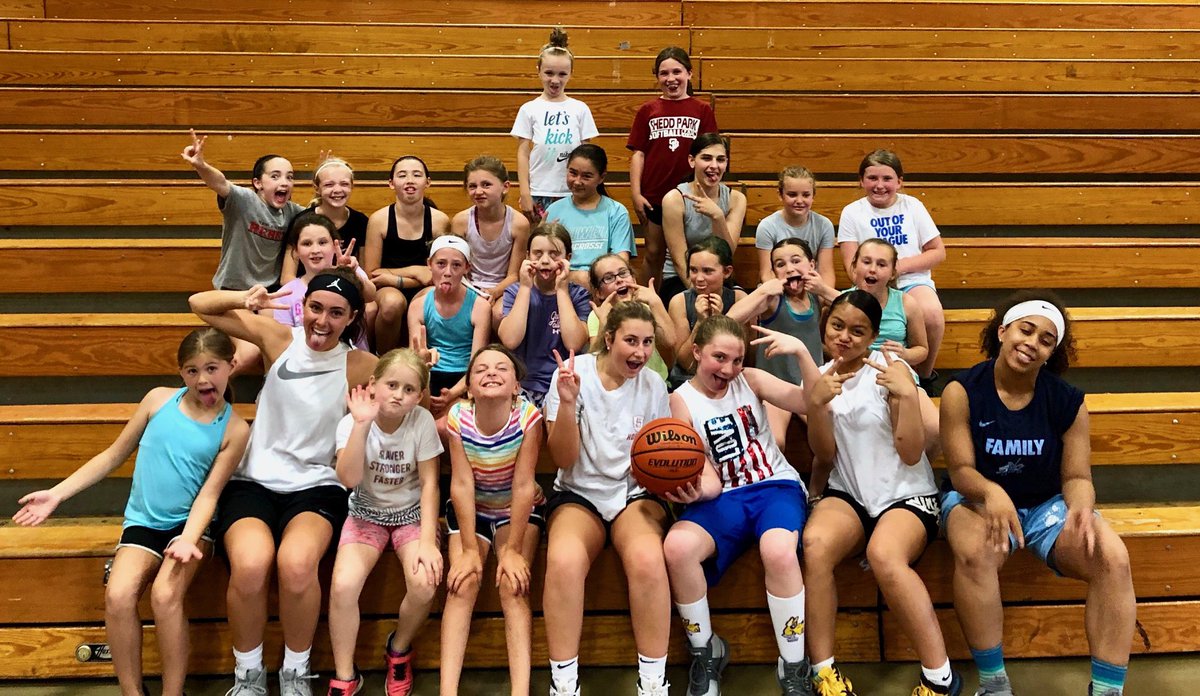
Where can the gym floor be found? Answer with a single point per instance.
(1159, 675)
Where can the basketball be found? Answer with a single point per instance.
(667, 453)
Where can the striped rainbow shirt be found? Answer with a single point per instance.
(493, 458)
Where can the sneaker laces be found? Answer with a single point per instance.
(291, 685)
(698, 675)
(834, 685)
(243, 686)
(399, 670)
(795, 678)
(660, 689)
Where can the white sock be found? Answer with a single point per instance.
(696, 621)
(565, 673)
(939, 676)
(249, 660)
(816, 668)
(297, 661)
(787, 616)
(652, 670)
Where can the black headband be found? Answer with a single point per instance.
(338, 286)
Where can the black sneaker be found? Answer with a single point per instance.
(704, 676)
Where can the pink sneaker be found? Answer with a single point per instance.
(399, 681)
(348, 687)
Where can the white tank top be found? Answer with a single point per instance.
(738, 436)
(293, 441)
(866, 465)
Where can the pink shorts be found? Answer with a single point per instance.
(356, 531)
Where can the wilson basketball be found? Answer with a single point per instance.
(667, 453)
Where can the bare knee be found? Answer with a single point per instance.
(166, 597)
(679, 551)
(1112, 561)
(818, 552)
(121, 599)
(644, 565)
(976, 559)
(392, 306)
(419, 589)
(297, 572)
(468, 589)
(249, 575)
(566, 568)
(887, 565)
(779, 556)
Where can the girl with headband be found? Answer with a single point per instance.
(1017, 449)
(285, 503)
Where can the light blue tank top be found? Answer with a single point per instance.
(174, 457)
(451, 336)
(893, 326)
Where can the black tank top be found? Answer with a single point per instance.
(399, 253)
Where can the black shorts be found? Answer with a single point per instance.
(560, 498)
(925, 507)
(242, 499)
(154, 541)
(486, 529)
(654, 214)
(443, 380)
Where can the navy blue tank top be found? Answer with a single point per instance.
(1020, 450)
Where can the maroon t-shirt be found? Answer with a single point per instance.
(664, 129)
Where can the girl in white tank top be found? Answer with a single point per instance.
(287, 503)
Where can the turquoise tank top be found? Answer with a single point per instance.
(174, 457)
(451, 336)
(893, 326)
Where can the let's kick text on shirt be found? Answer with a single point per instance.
(558, 136)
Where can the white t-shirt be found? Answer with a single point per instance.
(906, 224)
(390, 491)
(608, 422)
(866, 465)
(555, 128)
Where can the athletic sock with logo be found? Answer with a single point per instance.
(652, 671)
(697, 622)
(787, 617)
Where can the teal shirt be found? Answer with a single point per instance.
(174, 457)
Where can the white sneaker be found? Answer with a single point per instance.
(295, 683)
(251, 682)
(661, 689)
(568, 689)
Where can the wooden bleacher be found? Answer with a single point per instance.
(1031, 129)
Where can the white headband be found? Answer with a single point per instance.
(449, 241)
(1037, 308)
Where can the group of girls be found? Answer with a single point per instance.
(331, 416)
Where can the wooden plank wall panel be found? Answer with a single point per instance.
(121, 151)
(305, 37)
(327, 71)
(652, 13)
(1138, 14)
(830, 41)
(1057, 630)
(31, 653)
(185, 202)
(989, 111)
(214, 107)
(947, 75)
(22, 8)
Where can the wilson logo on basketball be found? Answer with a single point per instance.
(660, 436)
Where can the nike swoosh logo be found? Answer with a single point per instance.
(287, 373)
(984, 424)
(562, 157)
(564, 666)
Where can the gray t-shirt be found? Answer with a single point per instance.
(251, 237)
(818, 231)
